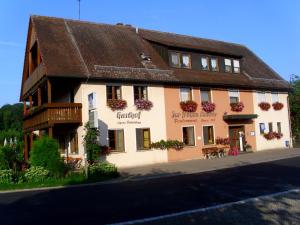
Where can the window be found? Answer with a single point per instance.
(234, 96)
(214, 64)
(143, 139)
(236, 66)
(93, 118)
(92, 100)
(208, 135)
(204, 63)
(205, 95)
(188, 136)
(262, 128)
(278, 127)
(140, 92)
(185, 94)
(74, 143)
(228, 66)
(116, 140)
(175, 59)
(275, 97)
(270, 127)
(180, 60)
(186, 61)
(113, 92)
(261, 97)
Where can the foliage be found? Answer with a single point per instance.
(273, 135)
(11, 117)
(208, 106)
(264, 106)
(189, 106)
(44, 153)
(237, 107)
(294, 101)
(36, 174)
(11, 157)
(277, 106)
(162, 144)
(97, 170)
(234, 151)
(10, 135)
(222, 141)
(90, 141)
(117, 104)
(143, 104)
(6, 176)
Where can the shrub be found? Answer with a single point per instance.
(208, 106)
(44, 153)
(11, 157)
(264, 106)
(97, 171)
(162, 144)
(142, 104)
(237, 107)
(36, 174)
(90, 141)
(6, 176)
(189, 106)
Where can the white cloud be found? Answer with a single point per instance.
(11, 44)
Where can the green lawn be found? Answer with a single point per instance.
(73, 179)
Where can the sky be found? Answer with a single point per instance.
(270, 28)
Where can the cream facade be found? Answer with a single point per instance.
(153, 119)
(276, 120)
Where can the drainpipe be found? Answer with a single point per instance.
(290, 123)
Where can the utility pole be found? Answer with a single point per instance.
(79, 9)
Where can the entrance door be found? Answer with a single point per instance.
(234, 135)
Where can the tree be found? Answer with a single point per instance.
(294, 101)
(91, 144)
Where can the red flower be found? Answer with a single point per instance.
(208, 107)
(189, 106)
(272, 135)
(222, 141)
(142, 104)
(233, 151)
(117, 104)
(237, 107)
(277, 106)
(264, 106)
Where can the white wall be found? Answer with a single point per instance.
(153, 119)
(272, 116)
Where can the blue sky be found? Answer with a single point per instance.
(271, 28)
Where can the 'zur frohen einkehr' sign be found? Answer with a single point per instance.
(181, 117)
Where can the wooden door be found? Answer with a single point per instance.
(235, 136)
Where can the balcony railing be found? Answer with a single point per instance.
(52, 113)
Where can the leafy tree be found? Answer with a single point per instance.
(294, 99)
(11, 157)
(91, 144)
(44, 153)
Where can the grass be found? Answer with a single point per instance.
(72, 179)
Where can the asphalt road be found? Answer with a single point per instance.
(131, 200)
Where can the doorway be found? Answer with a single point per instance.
(237, 137)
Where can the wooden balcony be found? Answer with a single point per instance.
(50, 114)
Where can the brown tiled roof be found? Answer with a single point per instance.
(112, 52)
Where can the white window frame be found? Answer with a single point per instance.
(114, 151)
(195, 139)
(209, 125)
(234, 90)
(261, 97)
(217, 64)
(234, 67)
(192, 97)
(211, 95)
(228, 59)
(275, 93)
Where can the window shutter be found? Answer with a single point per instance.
(139, 141)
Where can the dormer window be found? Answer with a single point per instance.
(33, 58)
(180, 60)
(204, 63)
(214, 64)
(228, 66)
(236, 66)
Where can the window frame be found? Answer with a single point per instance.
(234, 90)
(207, 62)
(234, 67)
(140, 92)
(214, 139)
(142, 148)
(262, 131)
(114, 92)
(217, 64)
(279, 128)
(190, 60)
(272, 94)
(190, 94)
(115, 139)
(194, 135)
(270, 127)
(259, 95)
(180, 59)
(230, 65)
(209, 93)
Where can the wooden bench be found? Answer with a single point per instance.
(215, 151)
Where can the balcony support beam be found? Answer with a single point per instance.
(50, 132)
(25, 147)
(30, 102)
(39, 96)
(49, 90)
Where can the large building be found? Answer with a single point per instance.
(141, 86)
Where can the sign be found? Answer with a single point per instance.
(129, 117)
(192, 117)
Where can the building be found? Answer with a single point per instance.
(130, 83)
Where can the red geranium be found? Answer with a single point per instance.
(189, 106)
(264, 106)
(117, 104)
(208, 107)
(142, 104)
(237, 107)
(277, 106)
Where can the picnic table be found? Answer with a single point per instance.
(216, 151)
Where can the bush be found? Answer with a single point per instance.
(6, 176)
(36, 174)
(11, 157)
(45, 154)
(162, 144)
(100, 170)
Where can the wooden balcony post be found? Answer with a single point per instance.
(31, 139)
(30, 101)
(25, 107)
(25, 147)
(49, 89)
(40, 133)
(39, 96)
(50, 132)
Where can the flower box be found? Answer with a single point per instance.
(237, 107)
(142, 104)
(273, 135)
(277, 106)
(264, 106)
(222, 141)
(208, 107)
(189, 106)
(117, 104)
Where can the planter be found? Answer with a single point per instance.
(189, 106)
(222, 141)
(277, 106)
(142, 104)
(264, 106)
(208, 107)
(117, 104)
(272, 135)
(237, 107)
